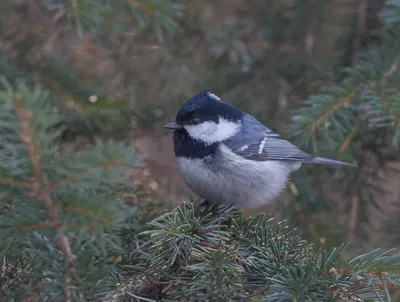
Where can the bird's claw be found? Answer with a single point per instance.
(214, 209)
(225, 212)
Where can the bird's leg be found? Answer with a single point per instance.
(202, 203)
(214, 209)
(225, 212)
(198, 207)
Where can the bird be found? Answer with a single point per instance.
(229, 158)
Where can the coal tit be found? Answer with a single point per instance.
(228, 157)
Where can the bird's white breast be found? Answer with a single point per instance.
(228, 178)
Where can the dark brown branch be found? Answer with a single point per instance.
(384, 103)
(350, 136)
(360, 30)
(42, 190)
(142, 7)
(355, 201)
(44, 225)
(74, 6)
(390, 111)
(108, 165)
(15, 183)
(392, 69)
(353, 216)
(343, 102)
(86, 213)
(365, 284)
(362, 284)
(37, 226)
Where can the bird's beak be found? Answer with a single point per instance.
(172, 125)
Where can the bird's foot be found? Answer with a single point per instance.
(204, 207)
(204, 203)
(226, 212)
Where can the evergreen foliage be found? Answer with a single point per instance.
(57, 202)
(193, 256)
(358, 118)
(68, 231)
(105, 15)
(89, 107)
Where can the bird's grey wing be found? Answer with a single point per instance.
(272, 148)
(259, 143)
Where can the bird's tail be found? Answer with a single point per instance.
(327, 161)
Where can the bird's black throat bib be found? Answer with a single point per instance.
(188, 147)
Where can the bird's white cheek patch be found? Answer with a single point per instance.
(211, 132)
(201, 131)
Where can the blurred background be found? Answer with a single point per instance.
(323, 74)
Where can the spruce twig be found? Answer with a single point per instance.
(193, 257)
(41, 190)
(15, 183)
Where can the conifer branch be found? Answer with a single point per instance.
(392, 68)
(15, 183)
(86, 213)
(184, 255)
(360, 30)
(355, 201)
(37, 226)
(141, 6)
(42, 190)
(391, 111)
(44, 225)
(356, 127)
(199, 258)
(106, 165)
(328, 113)
(74, 6)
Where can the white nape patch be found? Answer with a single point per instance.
(211, 132)
(262, 144)
(243, 148)
(213, 96)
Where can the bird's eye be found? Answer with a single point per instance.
(195, 121)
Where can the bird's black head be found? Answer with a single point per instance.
(206, 106)
(203, 122)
